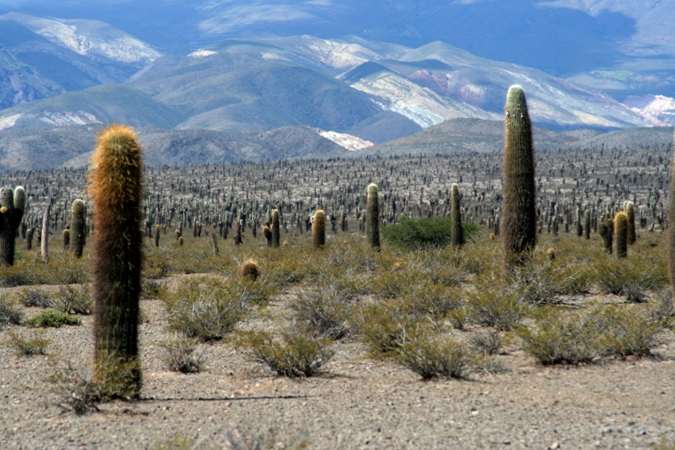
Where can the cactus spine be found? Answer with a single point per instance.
(319, 228)
(373, 216)
(115, 187)
(276, 232)
(621, 234)
(77, 227)
(457, 231)
(519, 220)
(12, 206)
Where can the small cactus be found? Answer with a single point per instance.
(621, 234)
(115, 187)
(12, 206)
(319, 229)
(373, 216)
(250, 270)
(276, 232)
(267, 233)
(77, 227)
(66, 239)
(457, 231)
(519, 219)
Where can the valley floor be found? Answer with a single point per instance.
(358, 402)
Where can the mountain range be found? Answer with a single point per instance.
(234, 80)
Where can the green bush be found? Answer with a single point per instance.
(560, 338)
(53, 318)
(181, 355)
(206, 309)
(74, 300)
(293, 356)
(9, 313)
(415, 234)
(323, 312)
(34, 298)
(28, 346)
(432, 356)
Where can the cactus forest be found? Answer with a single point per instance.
(520, 299)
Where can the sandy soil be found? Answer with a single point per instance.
(358, 403)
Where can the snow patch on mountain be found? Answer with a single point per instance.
(9, 121)
(658, 110)
(419, 104)
(337, 54)
(346, 141)
(69, 118)
(88, 38)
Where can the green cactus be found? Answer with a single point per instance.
(629, 207)
(115, 187)
(77, 227)
(66, 239)
(606, 231)
(519, 220)
(373, 216)
(319, 229)
(457, 231)
(621, 234)
(276, 232)
(12, 206)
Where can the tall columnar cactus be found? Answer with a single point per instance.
(319, 228)
(373, 216)
(587, 224)
(276, 232)
(606, 231)
(629, 207)
(621, 234)
(519, 220)
(77, 227)
(457, 231)
(115, 187)
(12, 206)
(44, 234)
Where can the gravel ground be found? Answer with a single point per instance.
(358, 403)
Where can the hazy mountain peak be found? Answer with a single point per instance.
(87, 38)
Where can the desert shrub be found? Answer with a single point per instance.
(573, 279)
(28, 345)
(433, 356)
(34, 298)
(535, 284)
(323, 312)
(428, 299)
(9, 312)
(151, 289)
(606, 331)
(181, 355)
(206, 309)
(630, 277)
(416, 234)
(384, 327)
(52, 318)
(486, 342)
(494, 305)
(74, 300)
(664, 310)
(293, 355)
(235, 440)
(393, 283)
(625, 331)
(560, 338)
(74, 391)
